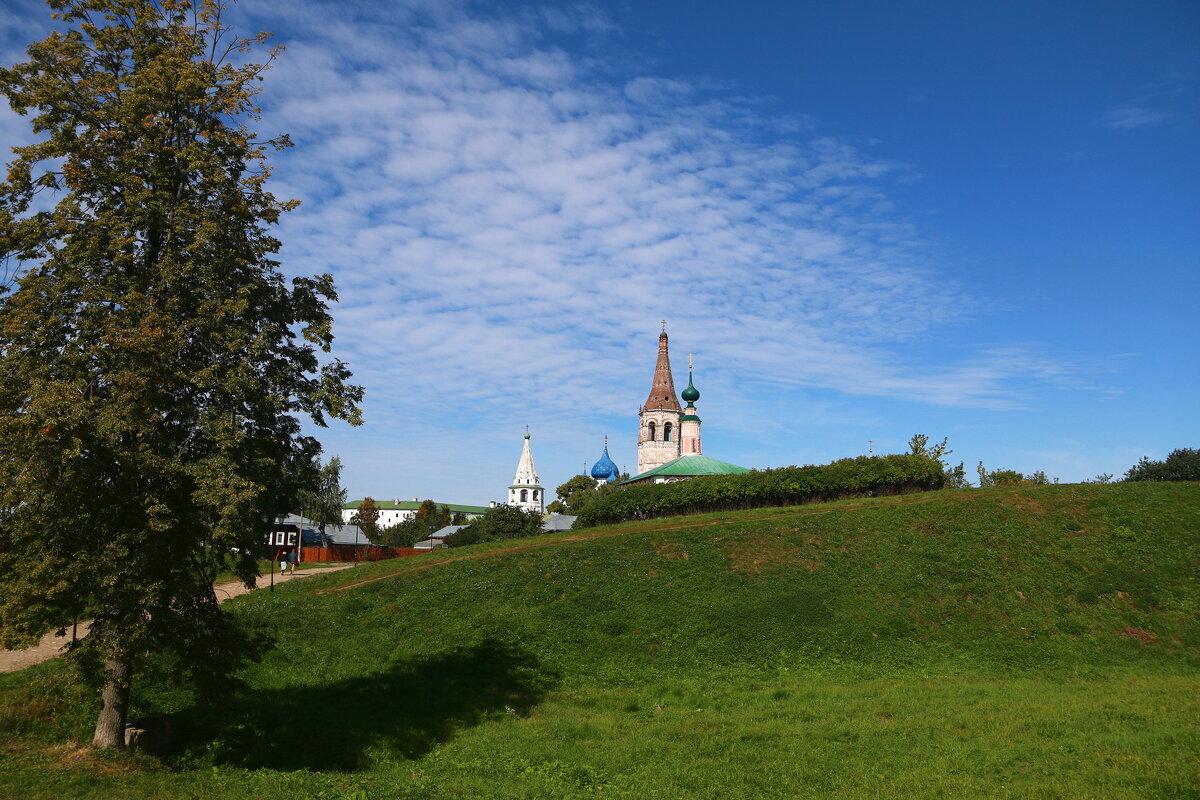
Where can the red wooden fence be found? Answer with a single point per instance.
(337, 553)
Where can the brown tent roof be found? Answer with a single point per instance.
(662, 390)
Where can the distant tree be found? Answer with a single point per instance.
(1103, 477)
(427, 519)
(472, 534)
(919, 445)
(511, 522)
(402, 534)
(1180, 465)
(956, 477)
(433, 517)
(1010, 477)
(577, 483)
(985, 479)
(576, 493)
(156, 365)
(501, 522)
(366, 517)
(1039, 479)
(323, 504)
(1005, 477)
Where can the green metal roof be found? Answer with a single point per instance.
(690, 466)
(411, 505)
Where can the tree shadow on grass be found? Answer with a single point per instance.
(405, 711)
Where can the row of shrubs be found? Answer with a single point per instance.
(864, 476)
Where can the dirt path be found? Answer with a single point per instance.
(50, 645)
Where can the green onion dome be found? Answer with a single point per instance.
(691, 394)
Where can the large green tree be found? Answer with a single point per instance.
(155, 365)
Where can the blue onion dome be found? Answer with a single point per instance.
(691, 394)
(605, 469)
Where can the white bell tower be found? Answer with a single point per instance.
(525, 491)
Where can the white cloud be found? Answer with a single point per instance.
(1132, 116)
(467, 168)
(506, 229)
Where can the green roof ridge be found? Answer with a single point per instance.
(693, 465)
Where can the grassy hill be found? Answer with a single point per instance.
(1037, 642)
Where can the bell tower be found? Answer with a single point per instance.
(658, 418)
(525, 491)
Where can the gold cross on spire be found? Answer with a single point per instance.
(664, 322)
(691, 361)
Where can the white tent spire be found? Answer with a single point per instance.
(526, 492)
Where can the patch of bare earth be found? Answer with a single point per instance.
(672, 551)
(767, 553)
(1145, 637)
(1030, 505)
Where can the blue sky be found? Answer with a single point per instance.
(866, 219)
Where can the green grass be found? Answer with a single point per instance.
(1023, 642)
(266, 567)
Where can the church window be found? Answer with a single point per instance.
(666, 431)
(535, 494)
(524, 495)
(651, 427)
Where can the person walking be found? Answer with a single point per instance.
(293, 557)
(283, 562)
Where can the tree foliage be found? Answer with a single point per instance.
(919, 445)
(956, 477)
(366, 517)
(848, 477)
(577, 493)
(1179, 465)
(1005, 477)
(154, 363)
(322, 503)
(1010, 477)
(429, 518)
(501, 522)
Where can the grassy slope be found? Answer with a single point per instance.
(1025, 642)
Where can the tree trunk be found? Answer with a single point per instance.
(114, 704)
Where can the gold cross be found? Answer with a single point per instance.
(664, 322)
(691, 361)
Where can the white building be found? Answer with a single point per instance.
(393, 512)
